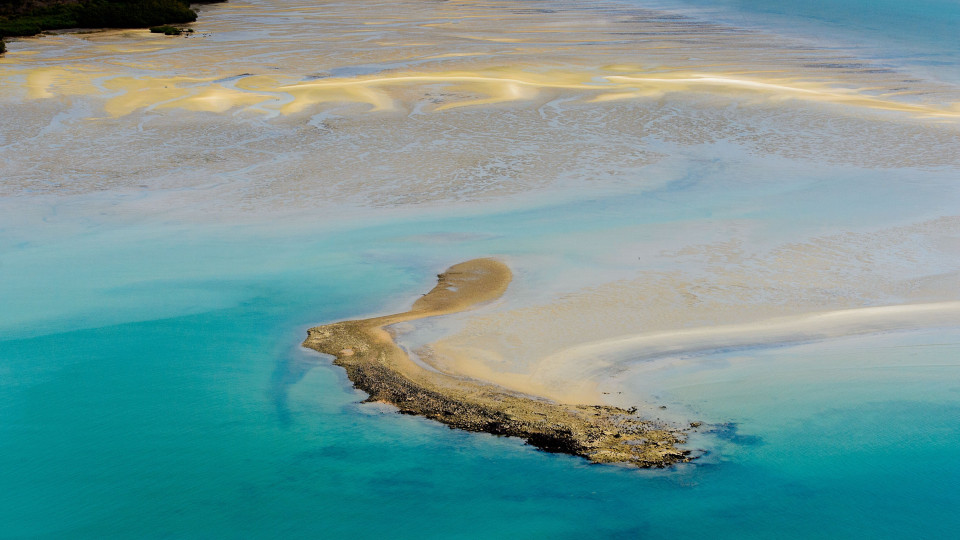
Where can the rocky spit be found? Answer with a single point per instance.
(378, 366)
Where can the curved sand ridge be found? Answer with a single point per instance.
(614, 354)
(378, 366)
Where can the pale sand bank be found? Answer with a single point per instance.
(572, 374)
(585, 362)
(376, 365)
(565, 338)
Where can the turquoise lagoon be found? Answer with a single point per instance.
(152, 384)
(166, 396)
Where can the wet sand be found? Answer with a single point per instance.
(378, 366)
(575, 345)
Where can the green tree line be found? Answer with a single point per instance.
(30, 17)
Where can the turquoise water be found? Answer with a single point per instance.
(152, 384)
(208, 420)
(921, 34)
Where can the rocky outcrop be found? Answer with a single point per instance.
(379, 367)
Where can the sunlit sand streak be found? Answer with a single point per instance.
(262, 91)
(585, 361)
(506, 89)
(852, 97)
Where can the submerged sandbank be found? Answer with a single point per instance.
(586, 361)
(378, 366)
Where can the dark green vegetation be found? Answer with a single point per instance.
(168, 30)
(30, 17)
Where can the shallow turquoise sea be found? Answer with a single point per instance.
(152, 384)
(921, 34)
(160, 392)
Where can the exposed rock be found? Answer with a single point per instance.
(376, 365)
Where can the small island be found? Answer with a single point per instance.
(378, 366)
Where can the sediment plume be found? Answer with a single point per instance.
(378, 366)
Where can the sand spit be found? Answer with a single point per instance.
(378, 366)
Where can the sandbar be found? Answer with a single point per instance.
(376, 365)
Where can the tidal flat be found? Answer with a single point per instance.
(704, 222)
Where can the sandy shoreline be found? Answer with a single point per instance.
(378, 366)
